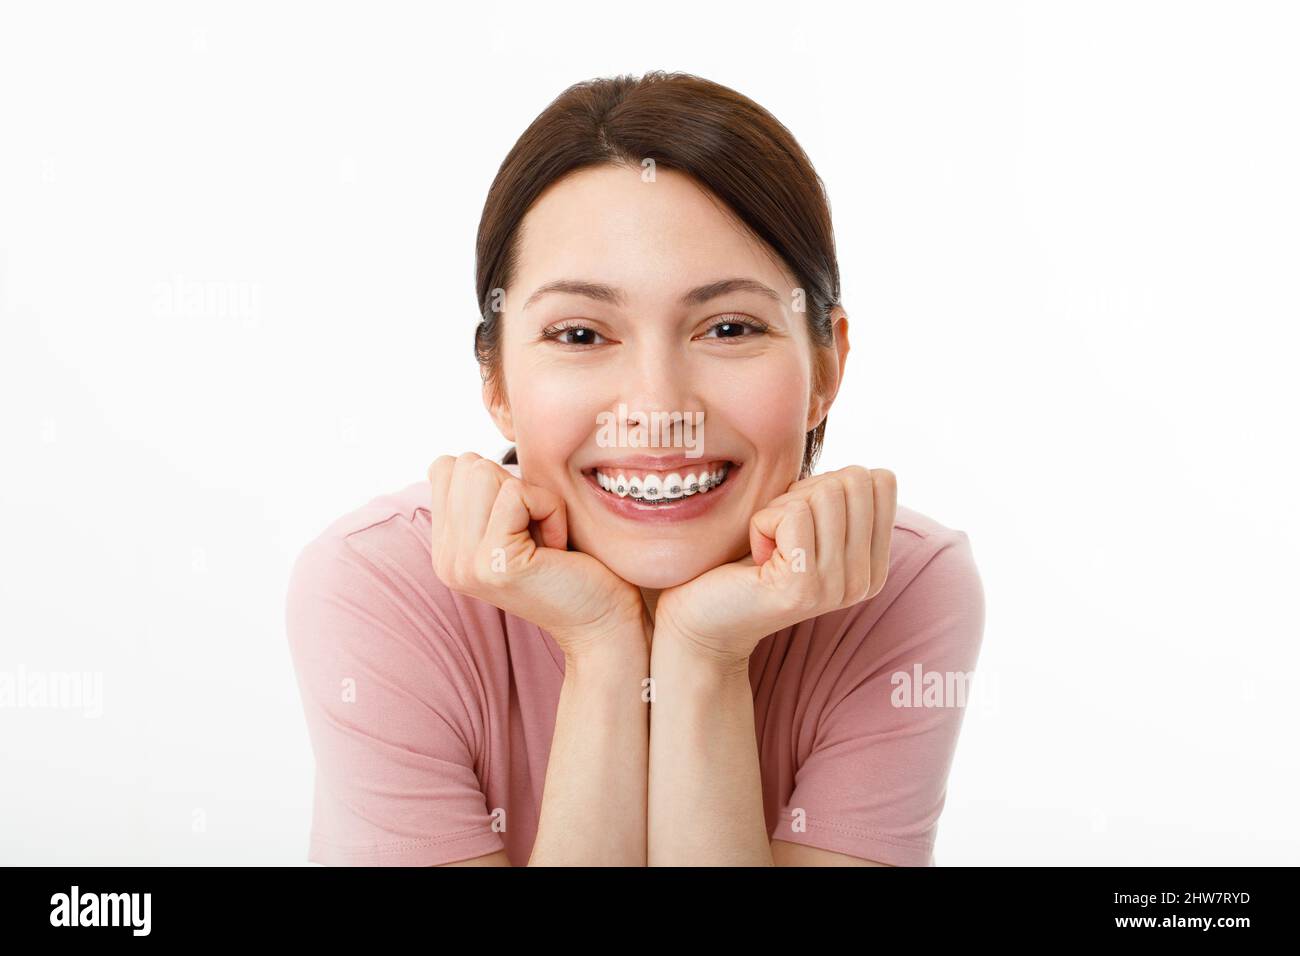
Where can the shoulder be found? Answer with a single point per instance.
(930, 556)
(395, 507)
(372, 563)
(392, 525)
(363, 603)
(383, 533)
(383, 546)
(933, 594)
(933, 599)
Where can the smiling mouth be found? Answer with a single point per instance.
(662, 488)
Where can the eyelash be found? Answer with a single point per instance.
(553, 332)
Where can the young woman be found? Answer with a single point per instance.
(629, 645)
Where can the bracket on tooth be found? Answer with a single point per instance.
(659, 491)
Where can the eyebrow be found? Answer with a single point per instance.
(697, 296)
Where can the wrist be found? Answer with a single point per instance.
(621, 638)
(675, 650)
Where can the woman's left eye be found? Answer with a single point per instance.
(733, 328)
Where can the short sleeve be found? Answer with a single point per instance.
(875, 782)
(393, 726)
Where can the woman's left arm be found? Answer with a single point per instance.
(704, 783)
(705, 794)
(821, 546)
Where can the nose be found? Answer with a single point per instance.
(658, 379)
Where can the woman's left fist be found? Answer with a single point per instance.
(821, 546)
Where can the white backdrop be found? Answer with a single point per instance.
(236, 284)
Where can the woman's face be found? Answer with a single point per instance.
(648, 324)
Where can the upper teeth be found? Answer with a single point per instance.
(652, 487)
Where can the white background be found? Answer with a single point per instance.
(1068, 236)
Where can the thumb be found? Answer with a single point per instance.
(762, 534)
(543, 506)
(785, 527)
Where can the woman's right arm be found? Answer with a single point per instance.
(594, 798)
(594, 801)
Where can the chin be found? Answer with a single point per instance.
(665, 569)
(656, 580)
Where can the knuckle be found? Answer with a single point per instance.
(831, 491)
(463, 464)
(859, 478)
(483, 469)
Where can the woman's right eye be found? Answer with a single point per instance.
(578, 335)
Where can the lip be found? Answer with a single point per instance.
(685, 508)
(654, 463)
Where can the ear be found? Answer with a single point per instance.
(831, 359)
(494, 400)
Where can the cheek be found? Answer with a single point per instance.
(554, 415)
(770, 412)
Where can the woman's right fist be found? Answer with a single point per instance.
(498, 539)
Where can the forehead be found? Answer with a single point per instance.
(654, 239)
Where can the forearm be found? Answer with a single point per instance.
(705, 787)
(594, 800)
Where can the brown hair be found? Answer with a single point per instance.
(726, 142)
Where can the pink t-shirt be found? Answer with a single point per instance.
(431, 713)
